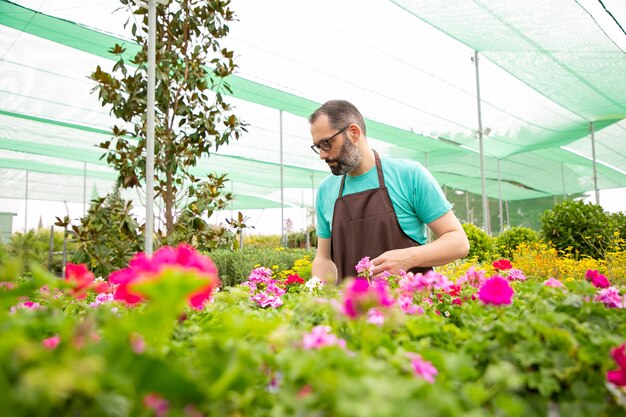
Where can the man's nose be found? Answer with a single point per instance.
(323, 154)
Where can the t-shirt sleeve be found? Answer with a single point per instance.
(429, 200)
(323, 225)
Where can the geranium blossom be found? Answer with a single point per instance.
(314, 283)
(375, 316)
(496, 291)
(102, 299)
(597, 280)
(157, 403)
(294, 279)
(553, 282)
(144, 269)
(610, 297)
(502, 265)
(365, 268)
(264, 290)
(51, 343)
(473, 277)
(618, 376)
(516, 275)
(80, 277)
(26, 305)
(360, 296)
(321, 336)
(422, 368)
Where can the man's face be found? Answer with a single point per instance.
(341, 155)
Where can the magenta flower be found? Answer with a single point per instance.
(422, 368)
(264, 289)
(51, 343)
(360, 296)
(597, 280)
(183, 257)
(365, 268)
(618, 376)
(320, 337)
(502, 265)
(81, 279)
(405, 301)
(553, 282)
(496, 291)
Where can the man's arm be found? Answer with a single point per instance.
(323, 266)
(451, 244)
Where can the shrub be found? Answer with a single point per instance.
(481, 244)
(34, 246)
(510, 239)
(262, 241)
(579, 229)
(234, 266)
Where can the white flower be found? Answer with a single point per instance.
(314, 284)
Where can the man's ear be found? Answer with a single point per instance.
(355, 132)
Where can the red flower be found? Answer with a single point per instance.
(618, 376)
(80, 277)
(294, 279)
(502, 265)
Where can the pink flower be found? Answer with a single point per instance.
(502, 265)
(360, 296)
(157, 403)
(516, 275)
(552, 282)
(51, 343)
(473, 277)
(618, 376)
(8, 285)
(597, 280)
(610, 297)
(422, 368)
(320, 337)
(183, 257)
(137, 343)
(365, 268)
(405, 301)
(374, 316)
(496, 291)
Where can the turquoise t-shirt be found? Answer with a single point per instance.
(416, 196)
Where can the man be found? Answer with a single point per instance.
(376, 207)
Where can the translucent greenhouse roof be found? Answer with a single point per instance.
(547, 71)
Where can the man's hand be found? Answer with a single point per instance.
(393, 261)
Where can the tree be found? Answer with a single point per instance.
(192, 116)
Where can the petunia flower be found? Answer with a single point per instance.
(502, 265)
(422, 368)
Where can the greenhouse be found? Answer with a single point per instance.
(157, 297)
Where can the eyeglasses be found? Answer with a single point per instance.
(325, 144)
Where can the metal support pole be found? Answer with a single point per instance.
(593, 155)
(84, 188)
(283, 239)
(150, 128)
(563, 180)
(508, 219)
(485, 201)
(500, 200)
(26, 205)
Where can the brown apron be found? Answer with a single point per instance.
(365, 224)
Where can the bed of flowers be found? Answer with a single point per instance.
(161, 338)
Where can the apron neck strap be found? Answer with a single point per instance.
(379, 171)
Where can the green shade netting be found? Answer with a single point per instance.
(556, 84)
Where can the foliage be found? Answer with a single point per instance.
(189, 119)
(190, 225)
(34, 246)
(235, 266)
(510, 239)
(549, 350)
(294, 240)
(481, 244)
(108, 236)
(262, 241)
(581, 229)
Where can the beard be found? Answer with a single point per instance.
(349, 159)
